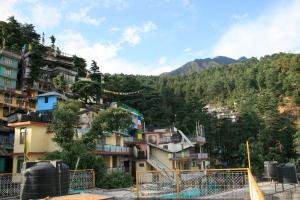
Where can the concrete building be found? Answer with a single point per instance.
(38, 141)
(112, 149)
(56, 62)
(48, 101)
(6, 148)
(8, 69)
(168, 150)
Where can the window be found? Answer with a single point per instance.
(7, 83)
(7, 61)
(142, 165)
(115, 161)
(46, 99)
(152, 139)
(23, 131)
(7, 72)
(194, 164)
(165, 146)
(7, 98)
(20, 164)
(118, 141)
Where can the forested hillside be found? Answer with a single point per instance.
(200, 64)
(255, 88)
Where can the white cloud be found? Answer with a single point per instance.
(7, 9)
(115, 29)
(41, 15)
(82, 16)
(106, 55)
(277, 30)
(240, 16)
(45, 16)
(162, 60)
(187, 50)
(117, 4)
(132, 34)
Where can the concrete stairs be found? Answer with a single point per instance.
(165, 171)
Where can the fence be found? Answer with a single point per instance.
(208, 184)
(10, 183)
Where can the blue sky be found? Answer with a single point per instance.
(155, 36)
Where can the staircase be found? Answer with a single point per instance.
(165, 171)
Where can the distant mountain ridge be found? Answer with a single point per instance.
(200, 64)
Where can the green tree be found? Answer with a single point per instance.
(87, 91)
(65, 120)
(80, 65)
(36, 60)
(60, 83)
(112, 119)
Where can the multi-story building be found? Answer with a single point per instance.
(8, 69)
(13, 101)
(6, 148)
(112, 149)
(166, 150)
(38, 141)
(55, 63)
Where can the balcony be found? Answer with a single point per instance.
(115, 170)
(6, 142)
(132, 140)
(111, 150)
(187, 156)
(165, 140)
(198, 139)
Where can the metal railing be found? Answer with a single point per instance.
(199, 139)
(132, 140)
(112, 148)
(187, 155)
(115, 169)
(10, 184)
(188, 184)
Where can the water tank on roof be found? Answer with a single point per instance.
(270, 169)
(287, 173)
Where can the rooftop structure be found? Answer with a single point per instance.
(55, 62)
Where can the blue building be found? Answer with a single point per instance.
(49, 101)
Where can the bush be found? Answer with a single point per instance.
(115, 180)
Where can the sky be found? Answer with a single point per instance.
(154, 36)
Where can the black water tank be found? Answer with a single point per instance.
(270, 169)
(38, 180)
(63, 177)
(287, 173)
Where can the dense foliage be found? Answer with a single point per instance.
(255, 88)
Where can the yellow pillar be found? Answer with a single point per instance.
(248, 155)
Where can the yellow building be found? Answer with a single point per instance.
(116, 156)
(38, 141)
(169, 150)
(14, 100)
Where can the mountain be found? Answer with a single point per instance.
(201, 64)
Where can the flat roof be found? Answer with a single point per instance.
(16, 124)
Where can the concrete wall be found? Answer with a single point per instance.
(162, 156)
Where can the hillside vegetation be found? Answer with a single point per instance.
(255, 88)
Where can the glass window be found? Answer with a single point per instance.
(141, 165)
(20, 164)
(22, 135)
(7, 98)
(46, 99)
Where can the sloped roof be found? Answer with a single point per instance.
(53, 93)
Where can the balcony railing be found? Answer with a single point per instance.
(6, 142)
(115, 170)
(132, 140)
(112, 148)
(169, 140)
(201, 156)
(199, 139)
